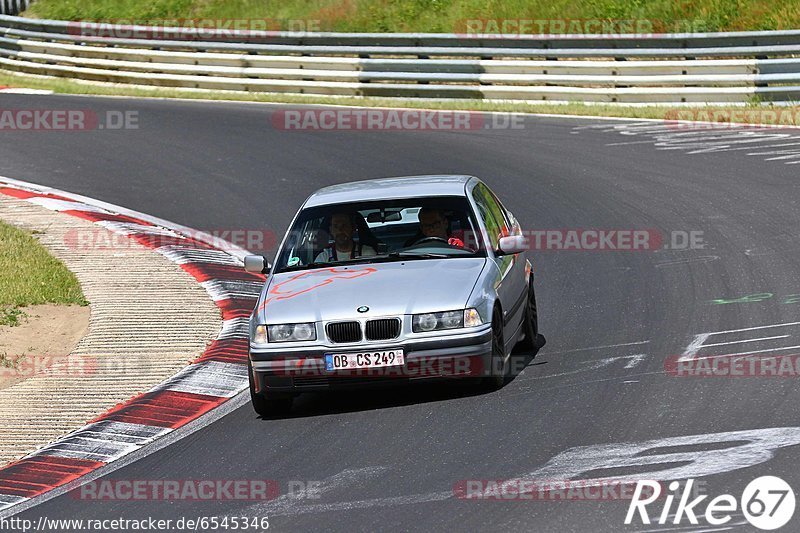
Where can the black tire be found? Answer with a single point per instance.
(267, 405)
(530, 324)
(498, 371)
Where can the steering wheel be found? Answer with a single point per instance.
(429, 239)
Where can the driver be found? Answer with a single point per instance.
(433, 223)
(343, 243)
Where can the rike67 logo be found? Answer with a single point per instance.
(767, 503)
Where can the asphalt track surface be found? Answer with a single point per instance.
(389, 459)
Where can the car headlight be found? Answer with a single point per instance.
(260, 335)
(472, 318)
(288, 332)
(445, 320)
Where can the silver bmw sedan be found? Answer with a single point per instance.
(390, 281)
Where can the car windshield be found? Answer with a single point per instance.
(392, 230)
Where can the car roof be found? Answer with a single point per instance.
(390, 189)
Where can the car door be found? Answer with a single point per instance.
(511, 282)
(520, 268)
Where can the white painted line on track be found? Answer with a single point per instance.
(699, 342)
(749, 353)
(680, 457)
(20, 90)
(754, 328)
(588, 366)
(745, 340)
(694, 347)
(635, 360)
(364, 504)
(288, 504)
(703, 138)
(600, 347)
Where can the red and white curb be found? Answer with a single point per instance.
(218, 375)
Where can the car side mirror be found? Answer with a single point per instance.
(257, 264)
(513, 244)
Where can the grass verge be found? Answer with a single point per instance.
(449, 16)
(29, 275)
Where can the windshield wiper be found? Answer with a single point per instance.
(425, 255)
(315, 264)
(368, 259)
(323, 264)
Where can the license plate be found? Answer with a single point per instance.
(377, 359)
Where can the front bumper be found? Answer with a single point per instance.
(462, 355)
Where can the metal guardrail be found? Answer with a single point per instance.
(666, 68)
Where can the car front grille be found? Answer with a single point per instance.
(344, 331)
(383, 329)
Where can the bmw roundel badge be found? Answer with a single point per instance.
(363, 309)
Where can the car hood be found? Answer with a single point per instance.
(396, 288)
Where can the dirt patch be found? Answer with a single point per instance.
(48, 333)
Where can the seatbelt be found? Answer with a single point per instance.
(354, 252)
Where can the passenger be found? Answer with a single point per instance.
(343, 244)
